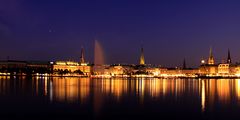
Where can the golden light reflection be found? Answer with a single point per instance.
(115, 87)
(45, 87)
(203, 96)
(237, 86)
(162, 87)
(73, 89)
(4, 86)
(70, 89)
(211, 91)
(36, 81)
(105, 85)
(223, 90)
(155, 87)
(179, 86)
(84, 89)
(119, 87)
(142, 88)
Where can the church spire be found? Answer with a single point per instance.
(229, 60)
(82, 56)
(184, 64)
(211, 58)
(142, 60)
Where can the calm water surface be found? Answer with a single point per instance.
(143, 98)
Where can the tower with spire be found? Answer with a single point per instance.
(82, 60)
(142, 60)
(184, 64)
(211, 58)
(229, 60)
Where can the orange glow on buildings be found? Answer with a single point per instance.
(72, 67)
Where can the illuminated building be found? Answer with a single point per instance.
(82, 60)
(190, 72)
(237, 70)
(172, 72)
(153, 71)
(15, 67)
(223, 68)
(13, 64)
(210, 68)
(116, 70)
(211, 58)
(101, 70)
(72, 67)
(38, 64)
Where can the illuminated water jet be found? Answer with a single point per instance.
(99, 62)
(98, 54)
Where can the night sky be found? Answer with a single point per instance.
(169, 30)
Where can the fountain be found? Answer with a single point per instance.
(98, 69)
(99, 66)
(98, 54)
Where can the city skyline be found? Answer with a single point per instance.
(210, 59)
(120, 59)
(170, 31)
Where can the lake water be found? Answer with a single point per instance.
(122, 98)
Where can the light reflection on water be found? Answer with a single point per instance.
(69, 89)
(95, 91)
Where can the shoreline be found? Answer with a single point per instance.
(106, 77)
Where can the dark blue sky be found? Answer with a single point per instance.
(170, 30)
